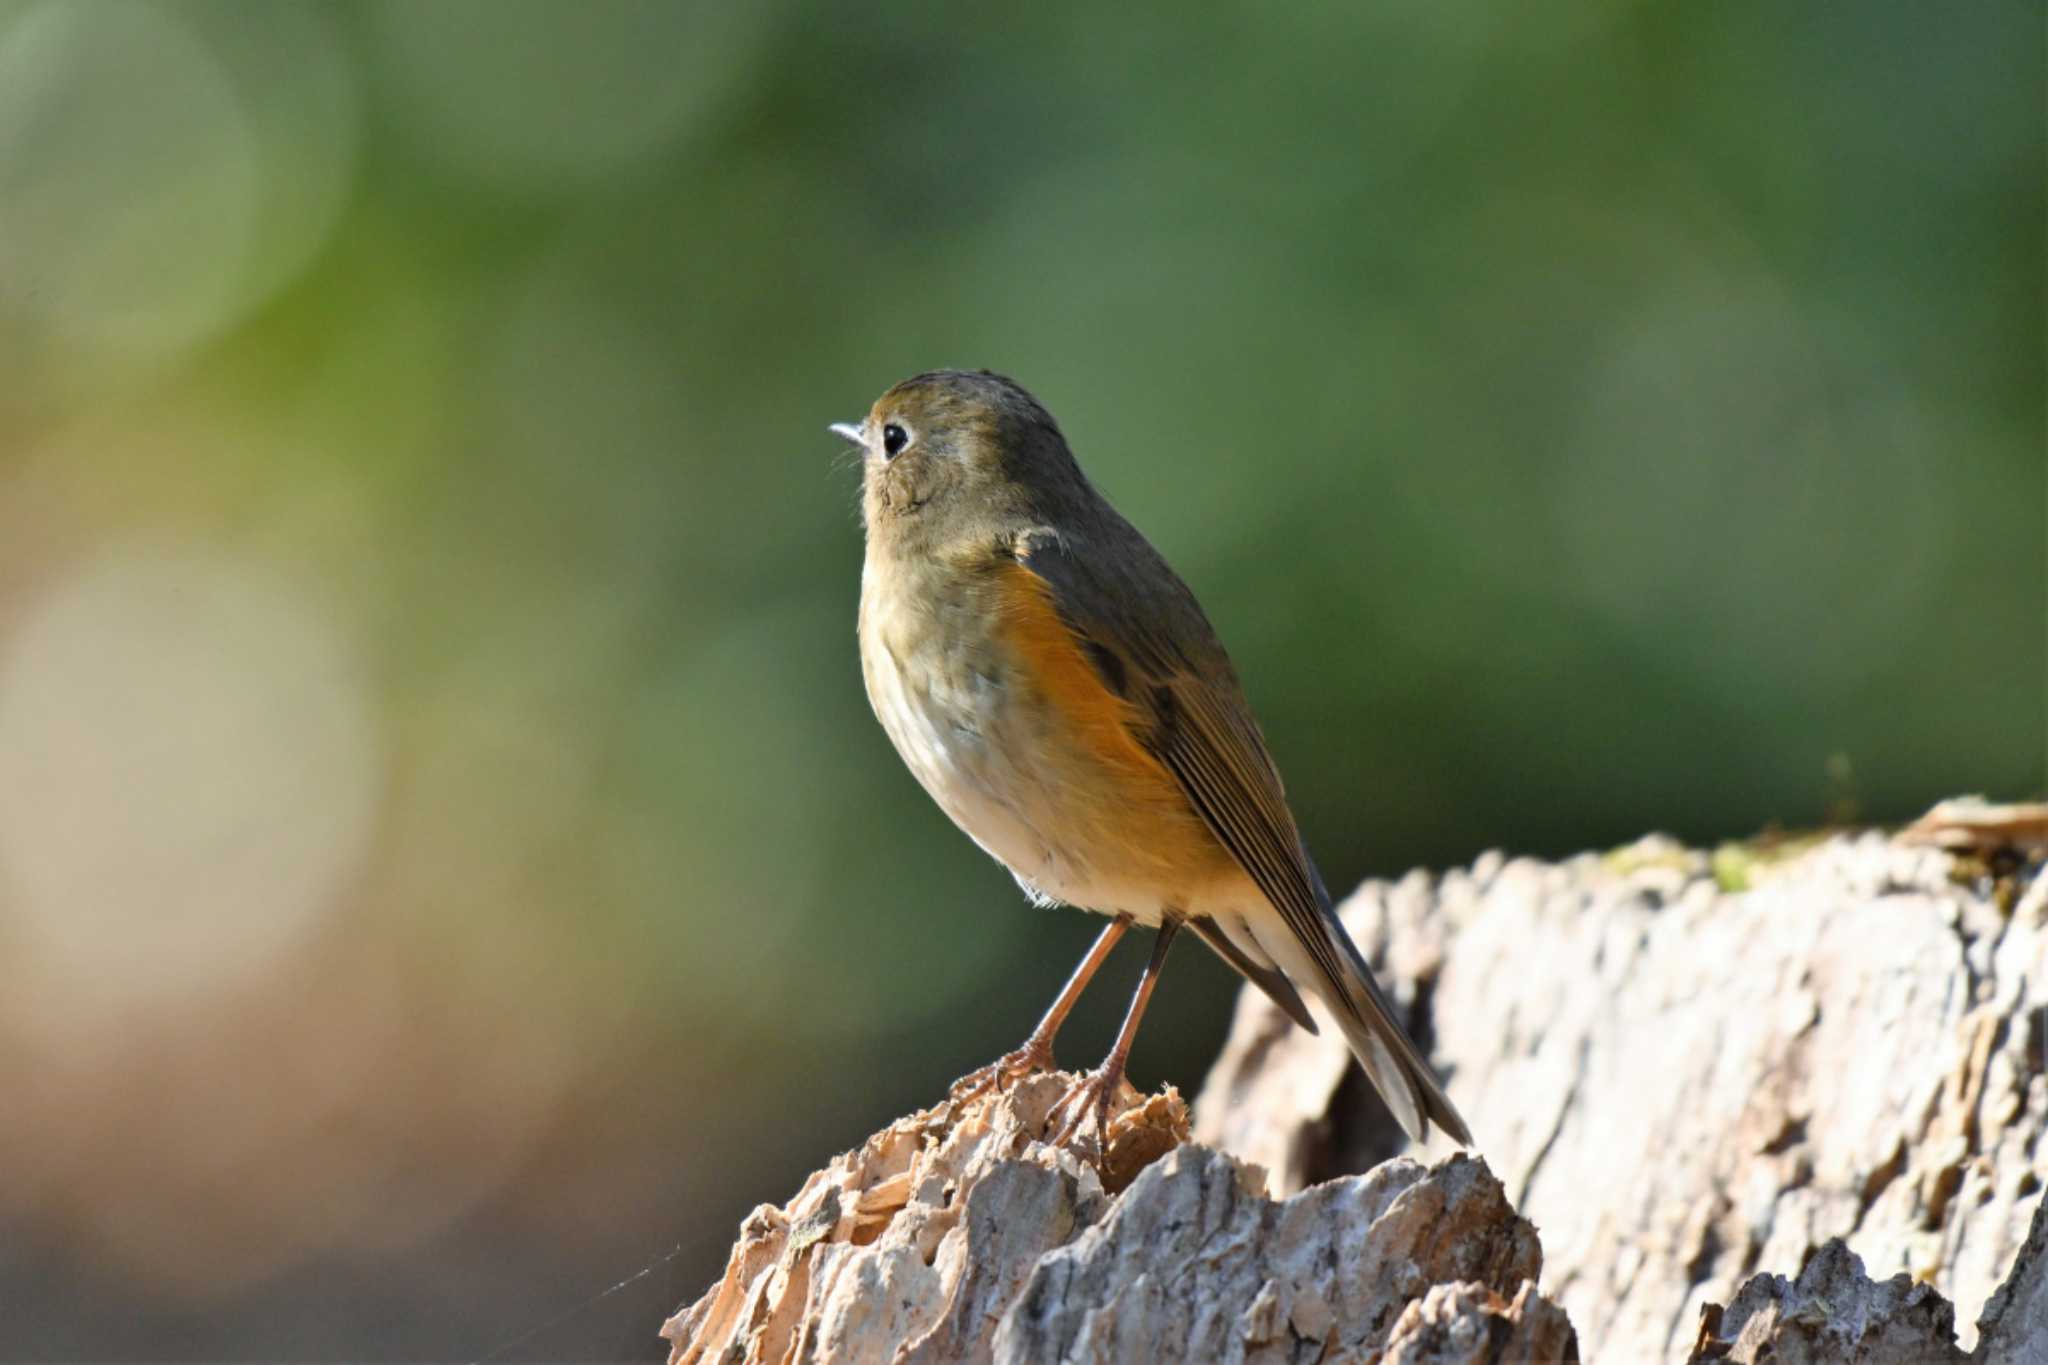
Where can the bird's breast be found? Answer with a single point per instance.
(998, 714)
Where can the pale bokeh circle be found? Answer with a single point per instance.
(127, 174)
(189, 767)
(163, 169)
(539, 96)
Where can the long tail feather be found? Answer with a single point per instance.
(1400, 1072)
(1365, 1016)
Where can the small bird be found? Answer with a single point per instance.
(1058, 691)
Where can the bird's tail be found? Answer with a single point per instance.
(1400, 1072)
(1397, 1068)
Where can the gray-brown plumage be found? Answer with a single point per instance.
(1058, 690)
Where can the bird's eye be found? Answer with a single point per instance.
(894, 438)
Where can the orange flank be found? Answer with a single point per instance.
(1054, 659)
(1117, 798)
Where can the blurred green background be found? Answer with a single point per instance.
(446, 860)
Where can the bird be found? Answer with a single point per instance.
(1058, 691)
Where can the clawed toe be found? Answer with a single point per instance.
(1070, 1116)
(1002, 1073)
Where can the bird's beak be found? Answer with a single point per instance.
(848, 431)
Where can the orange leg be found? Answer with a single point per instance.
(1036, 1054)
(1096, 1091)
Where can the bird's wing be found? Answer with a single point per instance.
(1148, 636)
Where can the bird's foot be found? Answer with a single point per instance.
(1002, 1073)
(1089, 1100)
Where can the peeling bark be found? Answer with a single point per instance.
(962, 1237)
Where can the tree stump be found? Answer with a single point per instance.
(959, 1235)
(1695, 1073)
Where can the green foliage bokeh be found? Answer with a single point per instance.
(1578, 421)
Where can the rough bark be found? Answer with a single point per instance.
(1688, 1067)
(1835, 1312)
(958, 1235)
(2014, 1328)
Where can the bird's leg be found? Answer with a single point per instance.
(1096, 1091)
(1036, 1054)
